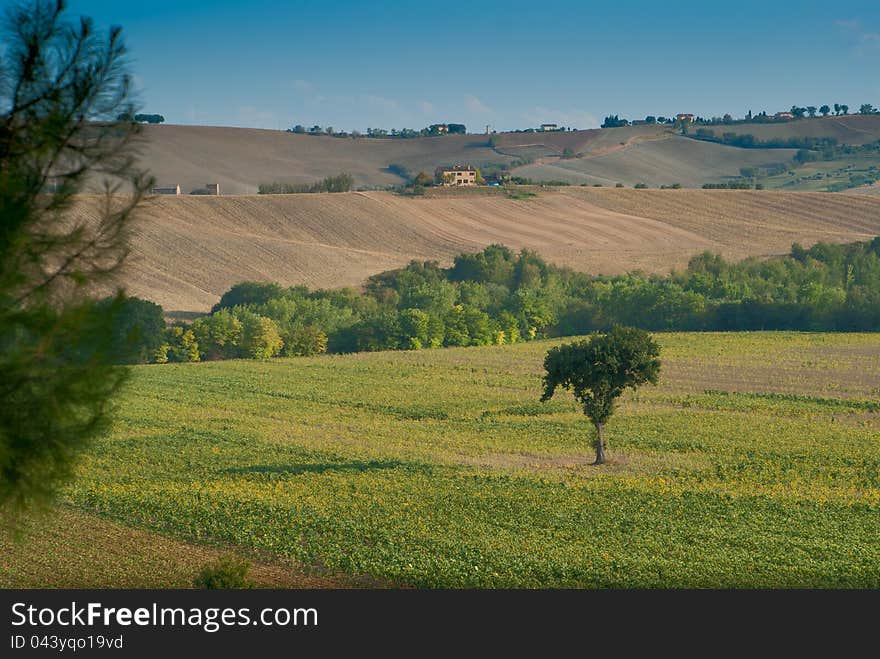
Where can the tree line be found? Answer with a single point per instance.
(339, 183)
(749, 141)
(140, 118)
(796, 112)
(499, 296)
(430, 131)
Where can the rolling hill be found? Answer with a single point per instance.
(242, 158)
(663, 160)
(188, 250)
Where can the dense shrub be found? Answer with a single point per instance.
(732, 185)
(247, 292)
(180, 346)
(305, 342)
(137, 328)
(227, 573)
(259, 336)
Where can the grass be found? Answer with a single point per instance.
(516, 194)
(72, 548)
(755, 463)
(826, 175)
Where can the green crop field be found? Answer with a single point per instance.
(827, 175)
(756, 462)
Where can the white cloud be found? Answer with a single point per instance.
(475, 105)
(864, 41)
(386, 104)
(303, 86)
(254, 117)
(307, 91)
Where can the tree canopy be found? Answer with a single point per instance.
(62, 85)
(598, 370)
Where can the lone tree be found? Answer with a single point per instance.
(597, 372)
(62, 87)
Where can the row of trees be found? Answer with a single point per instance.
(339, 183)
(798, 112)
(825, 110)
(498, 296)
(141, 118)
(611, 121)
(749, 141)
(429, 131)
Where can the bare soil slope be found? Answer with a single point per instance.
(188, 250)
(242, 158)
(655, 161)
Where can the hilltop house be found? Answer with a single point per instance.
(549, 127)
(456, 175)
(685, 117)
(783, 115)
(169, 190)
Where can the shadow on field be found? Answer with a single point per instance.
(320, 467)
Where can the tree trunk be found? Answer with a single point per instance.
(600, 444)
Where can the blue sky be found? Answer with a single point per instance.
(353, 65)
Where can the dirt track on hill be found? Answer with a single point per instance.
(188, 250)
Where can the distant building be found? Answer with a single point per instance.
(172, 190)
(456, 175)
(549, 127)
(685, 117)
(209, 189)
(783, 115)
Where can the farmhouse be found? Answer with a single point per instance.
(169, 190)
(685, 117)
(549, 127)
(783, 115)
(456, 175)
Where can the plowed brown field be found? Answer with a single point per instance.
(188, 250)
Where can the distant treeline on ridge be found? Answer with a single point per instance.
(340, 183)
